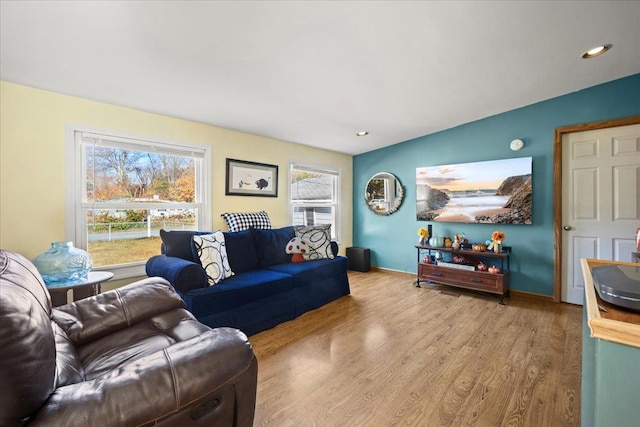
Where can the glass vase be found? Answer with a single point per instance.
(63, 263)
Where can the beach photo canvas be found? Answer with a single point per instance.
(492, 192)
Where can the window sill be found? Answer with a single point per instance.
(125, 271)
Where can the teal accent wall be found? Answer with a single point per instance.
(392, 239)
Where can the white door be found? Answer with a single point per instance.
(600, 200)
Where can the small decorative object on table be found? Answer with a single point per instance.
(497, 238)
(457, 241)
(478, 247)
(424, 235)
(436, 241)
(63, 263)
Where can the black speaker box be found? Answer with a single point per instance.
(359, 259)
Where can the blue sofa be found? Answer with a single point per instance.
(266, 288)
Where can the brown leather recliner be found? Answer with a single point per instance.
(128, 357)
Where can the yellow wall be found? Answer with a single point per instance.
(32, 163)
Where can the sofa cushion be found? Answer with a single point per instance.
(271, 245)
(69, 369)
(318, 237)
(241, 251)
(312, 271)
(177, 243)
(237, 290)
(244, 220)
(212, 253)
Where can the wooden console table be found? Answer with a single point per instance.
(466, 275)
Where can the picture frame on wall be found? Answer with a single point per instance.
(246, 178)
(489, 192)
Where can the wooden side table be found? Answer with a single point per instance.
(82, 288)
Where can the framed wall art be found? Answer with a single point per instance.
(251, 179)
(493, 192)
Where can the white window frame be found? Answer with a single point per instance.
(76, 206)
(336, 227)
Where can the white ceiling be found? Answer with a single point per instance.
(315, 72)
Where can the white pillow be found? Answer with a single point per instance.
(318, 237)
(212, 253)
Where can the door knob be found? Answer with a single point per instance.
(567, 227)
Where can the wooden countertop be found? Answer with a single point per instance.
(616, 324)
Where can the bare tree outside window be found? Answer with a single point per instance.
(130, 192)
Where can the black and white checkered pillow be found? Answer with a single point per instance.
(245, 220)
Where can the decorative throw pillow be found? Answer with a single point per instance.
(318, 237)
(297, 247)
(177, 243)
(211, 251)
(245, 220)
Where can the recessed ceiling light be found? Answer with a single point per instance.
(362, 133)
(596, 51)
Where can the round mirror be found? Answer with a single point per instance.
(384, 193)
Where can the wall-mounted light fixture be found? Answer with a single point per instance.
(516, 144)
(362, 133)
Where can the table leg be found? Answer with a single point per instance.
(84, 292)
(58, 298)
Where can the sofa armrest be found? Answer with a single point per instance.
(94, 317)
(334, 248)
(199, 381)
(183, 274)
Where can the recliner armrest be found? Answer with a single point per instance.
(212, 376)
(94, 317)
(183, 274)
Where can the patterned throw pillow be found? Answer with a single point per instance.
(318, 237)
(212, 253)
(245, 220)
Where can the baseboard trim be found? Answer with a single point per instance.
(391, 270)
(532, 295)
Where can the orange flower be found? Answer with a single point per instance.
(498, 236)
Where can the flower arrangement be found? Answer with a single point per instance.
(424, 234)
(497, 238)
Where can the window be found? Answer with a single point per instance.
(122, 190)
(314, 195)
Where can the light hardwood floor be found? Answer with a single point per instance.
(393, 354)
